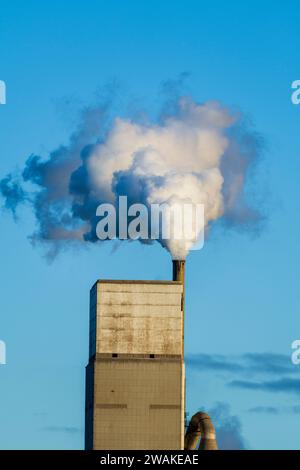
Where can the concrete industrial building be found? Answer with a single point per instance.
(135, 381)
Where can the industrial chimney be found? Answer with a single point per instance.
(178, 270)
(178, 275)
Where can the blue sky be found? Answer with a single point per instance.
(242, 295)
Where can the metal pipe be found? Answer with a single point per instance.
(178, 270)
(202, 427)
(178, 275)
(192, 434)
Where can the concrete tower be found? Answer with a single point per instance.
(135, 384)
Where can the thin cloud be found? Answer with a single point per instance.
(285, 385)
(251, 371)
(274, 410)
(264, 409)
(247, 364)
(213, 362)
(64, 429)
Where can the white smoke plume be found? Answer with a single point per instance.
(198, 154)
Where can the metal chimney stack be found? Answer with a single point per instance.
(178, 270)
(178, 275)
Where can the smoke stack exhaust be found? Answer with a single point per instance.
(178, 270)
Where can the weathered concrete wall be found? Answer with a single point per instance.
(136, 346)
(137, 404)
(139, 318)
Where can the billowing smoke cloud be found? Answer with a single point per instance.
(196, 154)
(228, 428)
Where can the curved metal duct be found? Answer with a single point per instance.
(202, 427)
